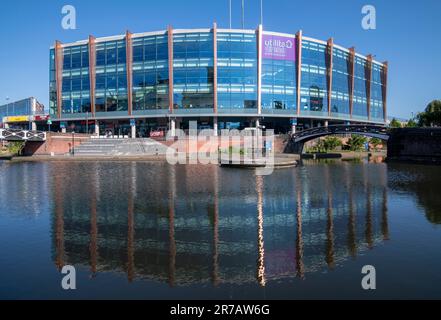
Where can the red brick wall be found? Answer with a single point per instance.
(56, 143)
(214, 144)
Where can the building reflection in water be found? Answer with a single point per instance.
(300, 268)
(260, 242)
(185, 225)
(93, 246)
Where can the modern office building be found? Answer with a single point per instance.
(223, 78)
(23, 114)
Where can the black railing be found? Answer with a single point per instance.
(369, 130)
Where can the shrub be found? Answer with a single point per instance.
(331, 143)
(16, 147)
(356, 142)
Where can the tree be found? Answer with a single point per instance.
(411, 124)
(431, 117)
(356, 142)
(331, 143)
(395, 123)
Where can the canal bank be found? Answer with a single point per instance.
(278, 161)
(415, 145)
(349, 155)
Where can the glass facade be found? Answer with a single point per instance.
(361, 87)
(377, 112)
(237, 78)
(52, 84)
(193, 71)
(111, 77)
(314, 89)
(341, 84)
(279, 85)
(237, 71)
(25, 107)
(150, 73)
(75, 80)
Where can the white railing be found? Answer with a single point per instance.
(22, 135)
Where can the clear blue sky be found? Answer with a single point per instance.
(408, 35)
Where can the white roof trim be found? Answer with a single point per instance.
(271, 33)
(341, 48)
(314, 40)
(148, 34)
(206, 30)
(360, 55)
(247, 31)
(73, 44)
(112, 38)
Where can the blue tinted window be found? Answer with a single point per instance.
(314, 89)
(237, 71)
(150, 77)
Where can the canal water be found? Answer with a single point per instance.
(136, 230)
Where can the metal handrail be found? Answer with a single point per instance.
(340, 129)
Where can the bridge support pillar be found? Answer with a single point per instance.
(97, 128)
(172, 127)
(293, 128)
(297, 147)
(133, 132)
(215, 127)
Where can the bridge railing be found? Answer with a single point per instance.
(22, 135)
(341, 129)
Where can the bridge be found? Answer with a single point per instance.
(298, 139)
(22, 135)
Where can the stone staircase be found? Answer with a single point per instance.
(120, 147)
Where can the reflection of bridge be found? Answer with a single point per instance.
(22, 135)
(298, 139)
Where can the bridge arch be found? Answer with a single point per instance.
(298, 140)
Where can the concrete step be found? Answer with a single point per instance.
(127, 147)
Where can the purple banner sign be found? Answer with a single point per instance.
(278, 47)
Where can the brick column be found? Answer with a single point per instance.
(329, 67)
(259, 34)
(215, 68)
(92, 73)
(59, 75)
(170, 68)
(351, 68)
(299, 69)
(384, 74)
(368, 76)
(129, 68)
